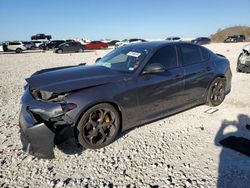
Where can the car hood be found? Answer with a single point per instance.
(65, 79)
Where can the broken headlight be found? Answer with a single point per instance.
(47, 95)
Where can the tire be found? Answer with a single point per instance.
(98, 126)
(19, 50)
(238, 70)
(60, 51)
(80, 50)
(216, 92)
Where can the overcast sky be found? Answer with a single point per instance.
(117, 19)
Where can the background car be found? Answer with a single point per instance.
(235, 38)
(41, 37)
(130, 86)
(69, 47)
(38, 43)
(95, 45)
(1, 47)
(128, 41)
(16, 46)
(201, 40)
(173, 39)
(29, 45)
(243, 64)
(106, 40)
(113, 42)
(52, 44)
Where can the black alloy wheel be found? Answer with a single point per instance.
(99, 126)
(216, 93)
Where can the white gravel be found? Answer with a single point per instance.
(178, 151)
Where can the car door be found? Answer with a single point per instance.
(198, 71)
(67, 47)
(75, 46)
(95, 45)
(161, 93)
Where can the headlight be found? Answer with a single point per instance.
(243, 59)
(46, 95)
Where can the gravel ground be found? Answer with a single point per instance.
(178, 151)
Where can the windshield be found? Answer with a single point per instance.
(124, 59)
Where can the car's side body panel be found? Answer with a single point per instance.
(138, 97)
(122, 94)
(96, 45)
(197, 78)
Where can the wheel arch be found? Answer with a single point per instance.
(215, 77)
(18, 50)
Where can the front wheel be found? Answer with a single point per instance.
(99, 126)
(216, 92)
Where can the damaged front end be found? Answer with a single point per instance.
(243, 64)
(44, 121)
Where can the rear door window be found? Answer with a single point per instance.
(190, 54)
(14, 43)
(205, 54)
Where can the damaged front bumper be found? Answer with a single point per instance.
(244, 67)
(42, 124)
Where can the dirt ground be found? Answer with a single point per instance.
(179, 151)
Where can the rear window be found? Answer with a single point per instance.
(190, 54)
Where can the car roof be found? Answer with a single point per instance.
(202, 38)
(155, 44)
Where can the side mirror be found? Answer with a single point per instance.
(97, 59)
(154, 68)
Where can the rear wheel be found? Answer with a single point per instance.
(60, 51)
(18, 50)
(99, 126)
(80, 50)
(216, 92)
